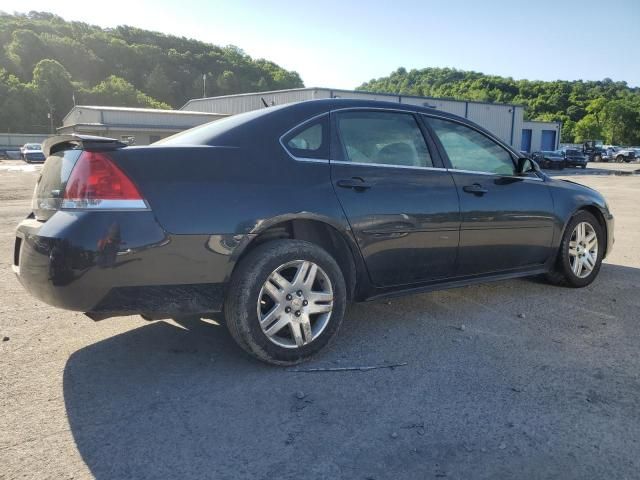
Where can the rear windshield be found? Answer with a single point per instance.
(206, 134)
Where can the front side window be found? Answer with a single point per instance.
(385, 138)
(310, 140)
(469, 149)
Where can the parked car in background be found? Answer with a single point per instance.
(573, 157)
(608, 153)
(548, 159)
(623, 154)
(32, 152)
(593, 150)
(279, 217)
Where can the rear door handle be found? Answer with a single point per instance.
(356, 183)
(476, 189)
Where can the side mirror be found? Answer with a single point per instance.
(526, 165)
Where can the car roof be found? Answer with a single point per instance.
(275, 120)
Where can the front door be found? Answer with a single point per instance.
(507, 220)
(401, 204)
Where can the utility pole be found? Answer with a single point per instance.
(50, 116)
(204, 85)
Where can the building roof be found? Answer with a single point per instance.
(140, 110)
(340, 90)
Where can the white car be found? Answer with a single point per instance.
(32, 152)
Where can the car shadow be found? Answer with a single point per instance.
(181, 400)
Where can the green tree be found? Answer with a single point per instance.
(158, 84)
(587, 128)
(117, 92)
(26, 49)
(53, 83)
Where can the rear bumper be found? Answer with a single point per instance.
(576, 163)
(120, 263)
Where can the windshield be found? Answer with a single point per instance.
(32, 146)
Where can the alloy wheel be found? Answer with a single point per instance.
(295, 304)
(583, 250)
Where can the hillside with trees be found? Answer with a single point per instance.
(47, 62)
(603, 109)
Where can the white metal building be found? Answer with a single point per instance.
(538, 136)
(140, 126)
(503, 120)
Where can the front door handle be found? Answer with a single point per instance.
(476, 189)
(356, 183)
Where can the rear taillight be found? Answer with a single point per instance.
(96, 182)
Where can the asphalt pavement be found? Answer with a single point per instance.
(515, 379)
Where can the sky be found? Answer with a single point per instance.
(341, 44)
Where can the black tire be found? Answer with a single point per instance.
(562, 274)
(240, 307)
(583, 166)
(597, 158)
(619, 159)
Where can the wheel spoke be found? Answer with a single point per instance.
(273, 291)
(282, 322)
(580, 268)
(590, 239)
(279, 280)
(320, 307)
(296, 331)
(301, 274)
(576, 266)
(315, 297)
(589, 262)
(273, 314)
(305, 323)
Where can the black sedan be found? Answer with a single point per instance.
(574, 158)
(279, 217)
(549, 159)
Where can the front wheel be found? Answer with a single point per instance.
(285, 302)
(581, 251)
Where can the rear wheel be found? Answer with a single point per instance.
(581, 251)
(286, 301)
(597, 158)
(619, 159)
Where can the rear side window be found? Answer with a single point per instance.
(385, 138)
(310, 140)
(469, 149)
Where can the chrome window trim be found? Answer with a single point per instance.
(373, 109)
(384, 165)
(301, 124)
(489, 174)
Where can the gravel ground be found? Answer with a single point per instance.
(516, 379)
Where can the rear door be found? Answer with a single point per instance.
(507, 220)
(401, 203)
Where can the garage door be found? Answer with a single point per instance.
(548, 140)
(525, 144)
